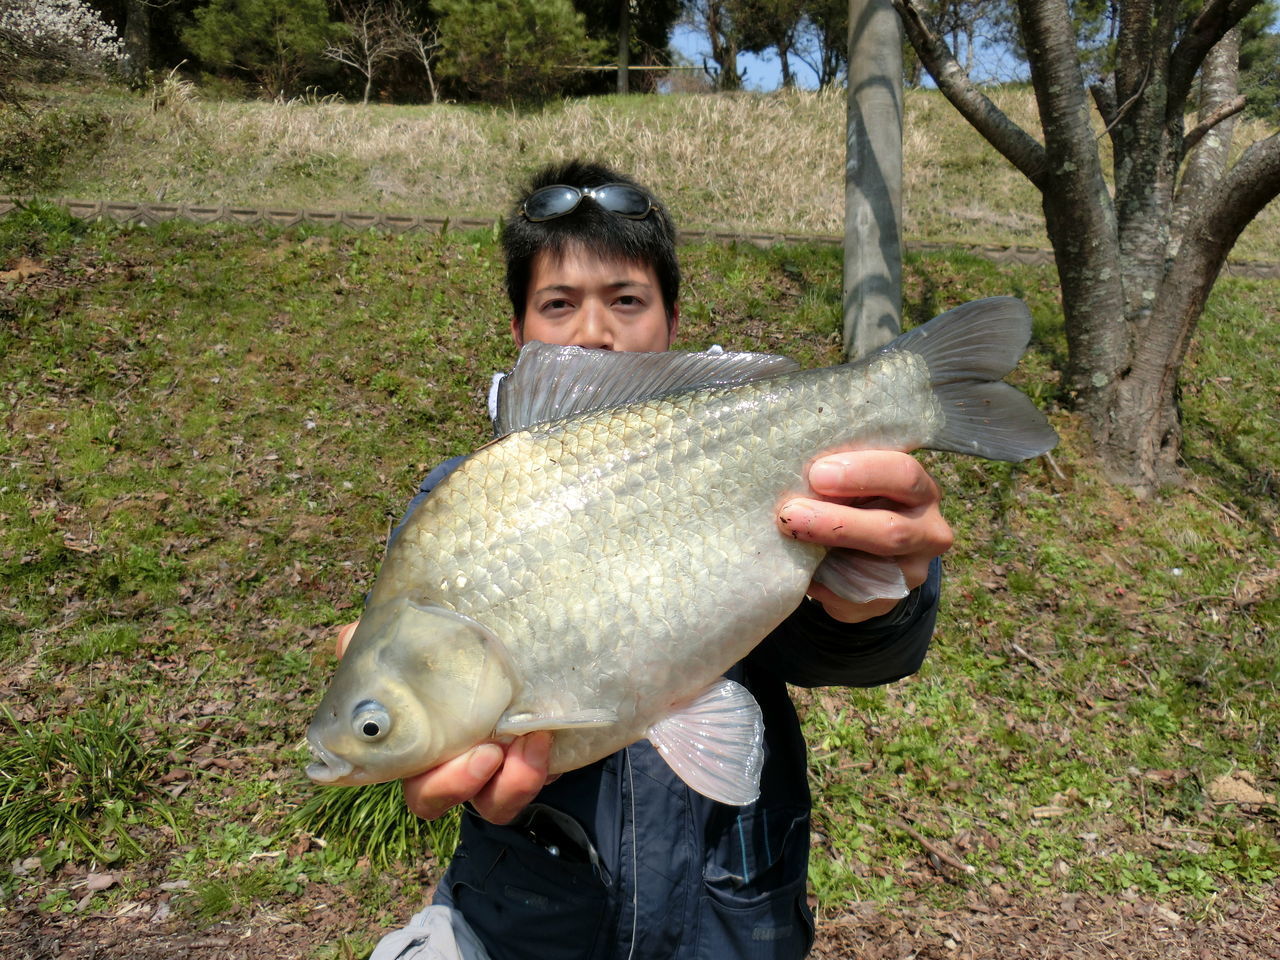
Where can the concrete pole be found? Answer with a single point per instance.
(873, 179)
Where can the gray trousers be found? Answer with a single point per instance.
(437, 933)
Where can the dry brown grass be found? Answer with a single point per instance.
(745, 162)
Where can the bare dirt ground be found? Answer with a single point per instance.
(1077, 927)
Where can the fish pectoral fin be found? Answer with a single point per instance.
(860, 577)
(528, 721)
(714, 743)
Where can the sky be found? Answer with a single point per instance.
(762, 73)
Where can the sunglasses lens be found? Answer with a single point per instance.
(623, 200)
(551, 202)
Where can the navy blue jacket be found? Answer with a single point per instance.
(621, 860)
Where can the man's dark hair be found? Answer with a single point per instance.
(651, 241)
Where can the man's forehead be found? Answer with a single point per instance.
(567, 266)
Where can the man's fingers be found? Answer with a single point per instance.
(846, 610)
(499, 783)
(432, 794)
(344, 636)
(523, 774)
(873, 473)
(901, 533)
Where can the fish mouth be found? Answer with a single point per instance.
(327, 767)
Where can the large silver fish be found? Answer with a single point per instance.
(596, 569)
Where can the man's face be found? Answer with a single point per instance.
(583, 301)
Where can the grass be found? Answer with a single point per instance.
(719, 173)
(208, 431)
(82, 784)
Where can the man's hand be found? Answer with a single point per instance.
(500, 781)
(875, 501)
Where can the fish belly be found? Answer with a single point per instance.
(628, 558)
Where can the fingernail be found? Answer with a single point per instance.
(796, 519)
(826, 475)
(484, 761)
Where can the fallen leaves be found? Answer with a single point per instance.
(1239, 786)
(23, 270)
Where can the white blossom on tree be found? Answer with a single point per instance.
(62, 32)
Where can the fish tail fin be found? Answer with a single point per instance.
(968, 350)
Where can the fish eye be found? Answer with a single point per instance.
(370, 720)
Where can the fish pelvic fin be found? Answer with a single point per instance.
(861, 577)
(968, 350)
(714, 743)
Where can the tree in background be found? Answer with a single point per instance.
(716, 19)
(648, 34)
(824, 39)
(423, 41)
(1260, 76)
(273, 41)
(514, 50)
(371, 32)
(771, 25)
(814, 32)
(1135, 267)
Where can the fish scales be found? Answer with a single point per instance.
(595, 573)
(612, 540)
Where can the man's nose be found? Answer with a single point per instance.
(595, 329)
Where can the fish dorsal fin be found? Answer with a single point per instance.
(552, 382)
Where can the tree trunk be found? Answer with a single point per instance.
(1135, 272)
(1079, 214)
(137, 40)
(624, 45)
(1219, 87)
(1139, 443)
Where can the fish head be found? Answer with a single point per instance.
(417, 686)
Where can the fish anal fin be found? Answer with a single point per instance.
(714, 743)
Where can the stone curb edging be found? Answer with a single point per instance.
(150, 214)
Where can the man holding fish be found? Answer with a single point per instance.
(676, 850)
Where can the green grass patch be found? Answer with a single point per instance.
(209, 431)
(84, 785)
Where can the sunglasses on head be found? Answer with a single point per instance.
(559, 200)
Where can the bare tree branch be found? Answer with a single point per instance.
(1015, 144)
(376, 31)
(1207, 29)
(1224, 112)
(1115, 114)
(1252, 183)
(1104, 98)
(424, 43)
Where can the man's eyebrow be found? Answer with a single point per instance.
(612, 285)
